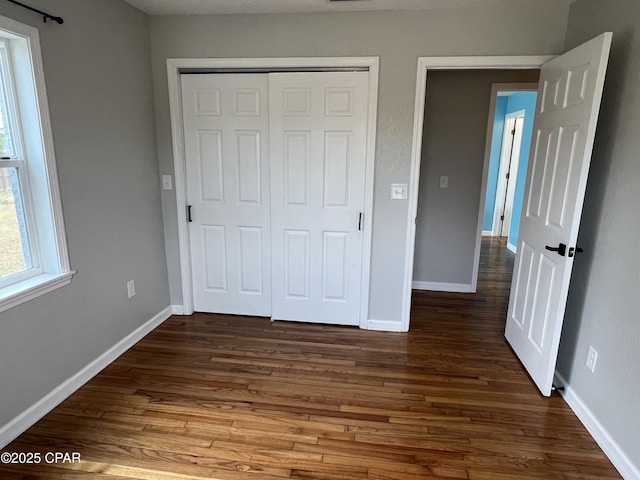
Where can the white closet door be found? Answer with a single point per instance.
(226, 125)
(318, 127)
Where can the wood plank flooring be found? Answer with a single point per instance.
(238, 398)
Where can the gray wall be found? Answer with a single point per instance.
(454, 138)
(604, 298)
(398, 38)
(98, 78)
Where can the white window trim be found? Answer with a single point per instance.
(57, 272)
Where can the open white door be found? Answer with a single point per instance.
(564, 129)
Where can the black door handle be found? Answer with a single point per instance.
(561, 249)
(575, 250)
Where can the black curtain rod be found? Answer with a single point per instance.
(45, 15)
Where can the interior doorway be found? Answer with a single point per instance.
(426, 65)
(456, 142)
(571, 87)
(511, 129)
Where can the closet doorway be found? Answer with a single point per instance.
(277, 187)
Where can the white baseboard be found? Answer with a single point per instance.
(609, 446)
(385, 325)
(442, 287)
(35, 412)
(487, 233)
(512, 248)
(177, 309)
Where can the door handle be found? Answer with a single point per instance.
(561, 249)
(573, 251)
(360, 217)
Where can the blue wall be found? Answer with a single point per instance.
(513, 103)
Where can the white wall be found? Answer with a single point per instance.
(97, 72)
(603, 308)
(398, 38)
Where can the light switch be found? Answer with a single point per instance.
(444, 181)
(167, 183)
(399, 191)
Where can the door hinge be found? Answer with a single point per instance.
(513, 132)
(502, 217)
(508, 175)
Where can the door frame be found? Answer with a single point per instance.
(177, 66)
(448, 63)
(503, 187)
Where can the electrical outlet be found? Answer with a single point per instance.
(444, 181)
(592, 357)
(131, 288)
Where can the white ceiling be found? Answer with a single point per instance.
(216, 7)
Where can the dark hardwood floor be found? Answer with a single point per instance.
(224, 397)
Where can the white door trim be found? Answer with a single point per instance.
(446, 63)
(174, 68)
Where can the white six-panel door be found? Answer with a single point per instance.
(564, 128)
(318, 149)
(226, 127)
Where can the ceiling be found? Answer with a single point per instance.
(217, 7)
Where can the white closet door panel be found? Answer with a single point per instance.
(295, 167)
(318, 140)
(226, 129)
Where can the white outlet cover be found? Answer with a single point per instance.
(592, 357)
(399, 191)
(131, 288)
(167, 182)
(444, 181)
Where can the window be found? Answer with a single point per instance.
(33, 252)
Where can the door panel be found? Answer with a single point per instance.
(215, 257)
(296, 266)
(251, 271)
(318, 149)
(334, 268)
(296, 167)
(248, 167)
(226, 129)
(564, 129)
